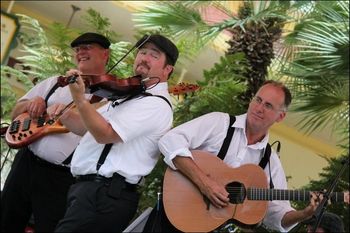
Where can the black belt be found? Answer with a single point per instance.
(47, 164)
(106, 180)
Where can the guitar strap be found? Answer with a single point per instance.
(227, 141)
(52, 90)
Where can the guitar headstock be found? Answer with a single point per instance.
(183, 88)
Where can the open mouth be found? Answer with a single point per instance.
(83, 59)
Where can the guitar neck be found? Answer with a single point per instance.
(285, 194)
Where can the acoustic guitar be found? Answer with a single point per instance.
(190, 211)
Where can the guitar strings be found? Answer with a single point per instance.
(67, 107)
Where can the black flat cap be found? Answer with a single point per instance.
(164, 44)
(91, 37)
(330, 222)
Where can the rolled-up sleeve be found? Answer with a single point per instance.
(203, 133)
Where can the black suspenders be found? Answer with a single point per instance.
(108, 147)
(227, 141)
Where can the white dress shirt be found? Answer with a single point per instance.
(207, 133)
(54, 148)
(140, 122)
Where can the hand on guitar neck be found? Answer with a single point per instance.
(317, 197)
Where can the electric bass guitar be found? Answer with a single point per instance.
(190, 211)
(25, 130)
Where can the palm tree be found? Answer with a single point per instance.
(252, 31)
(319, 71)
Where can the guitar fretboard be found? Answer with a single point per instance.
(284, 194)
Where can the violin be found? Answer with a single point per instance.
(107, 86)
(111, 87)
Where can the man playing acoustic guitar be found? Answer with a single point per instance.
(39, 178)
(247, 146)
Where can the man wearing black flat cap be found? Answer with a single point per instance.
(40, 175)
(163, 44)
(90, 38)
(119, 144)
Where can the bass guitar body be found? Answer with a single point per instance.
(25, 130)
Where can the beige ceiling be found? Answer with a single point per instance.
(120, 15)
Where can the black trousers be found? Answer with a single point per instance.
(98, 206)
(34, 187)
(158, 221)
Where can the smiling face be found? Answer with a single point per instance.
(266, 108)
(150, 61)
(91, 58)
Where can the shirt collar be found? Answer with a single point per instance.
(241, 123)
(159, 87)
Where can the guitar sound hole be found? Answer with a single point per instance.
(237, 192)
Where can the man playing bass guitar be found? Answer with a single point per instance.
(40, 176)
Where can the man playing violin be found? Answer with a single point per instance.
(119, 144)
(40, 175)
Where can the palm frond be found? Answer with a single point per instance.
(117, 51)
(219, 90)
(319, 71)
